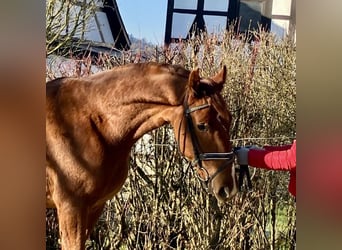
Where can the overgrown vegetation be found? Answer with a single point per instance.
(162, 204)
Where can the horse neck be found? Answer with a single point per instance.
(142, 103)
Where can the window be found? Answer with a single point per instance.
(181, 24)
(185, 4)
(218, 5)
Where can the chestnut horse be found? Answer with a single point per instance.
(92, 123)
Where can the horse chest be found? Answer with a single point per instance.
(111, 182)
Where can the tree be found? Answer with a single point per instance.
(67, 21)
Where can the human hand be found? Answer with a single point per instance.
(242, 155)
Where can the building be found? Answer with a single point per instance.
(102, 32)
(106, 29)
(184, 17)
(88, 26)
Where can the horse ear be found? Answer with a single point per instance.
(220, 77)
(202, 88)
(194, 80)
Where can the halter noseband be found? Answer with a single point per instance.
(199, 156)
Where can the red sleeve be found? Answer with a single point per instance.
(278, 148)
(275, 160)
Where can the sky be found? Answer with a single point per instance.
(144, 18)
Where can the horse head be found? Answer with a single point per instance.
(202, 132)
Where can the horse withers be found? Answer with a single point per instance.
(92, 123)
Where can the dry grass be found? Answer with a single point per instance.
(162, 204)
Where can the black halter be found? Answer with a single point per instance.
(228, 158)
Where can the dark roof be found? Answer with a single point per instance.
(116, 25)
(118, 31)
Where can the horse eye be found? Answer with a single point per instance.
(202, 127)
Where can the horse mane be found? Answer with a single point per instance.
(218, 102)
(177, 70)
(53, 86)
(173, 69)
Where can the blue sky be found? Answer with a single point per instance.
(144, 18)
